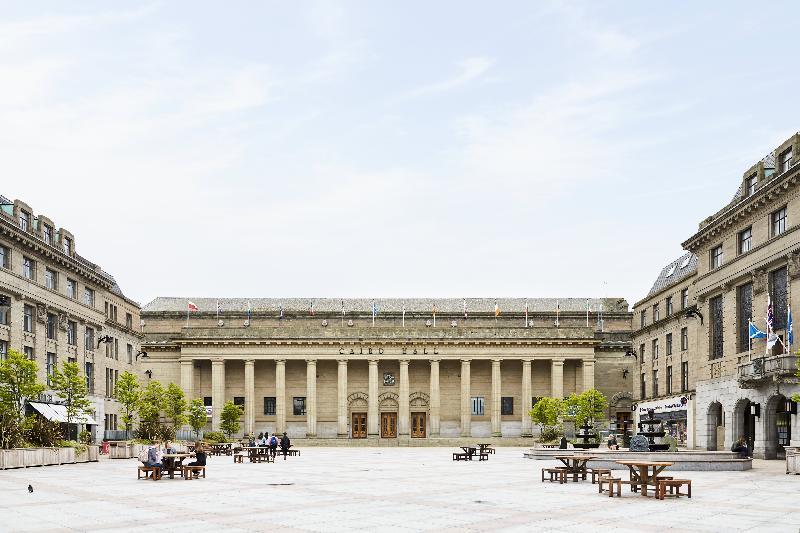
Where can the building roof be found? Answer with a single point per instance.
(386, 305)
(675, 271)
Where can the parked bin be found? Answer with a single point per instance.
(104, 449)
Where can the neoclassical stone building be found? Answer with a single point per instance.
(328, 368)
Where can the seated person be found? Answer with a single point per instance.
(199, 456)
(741, 447)
(612, 442)
(154, 456)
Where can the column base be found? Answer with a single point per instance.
(342, 436)
(527, 435)
(496, 434)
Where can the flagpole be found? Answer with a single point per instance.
(558, 309)
(587, 312)
(187, 313)
(749, 340)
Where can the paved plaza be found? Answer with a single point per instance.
(382, 489)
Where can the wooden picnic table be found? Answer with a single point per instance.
(576, 464)
(469, 450)
(258, 454)
(485, 447)
(644, 473)
(223, 448)
(173, 462)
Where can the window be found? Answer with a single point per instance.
(744, 312)
(655, 349)
(111, 311)
(684, 338)
(116, 349)
(27, 319)
(668, 306)
(52, 322)
(669, 379)
(88, 339)
(507, 405)
(24, 221)
(778, 289)
(642, 390)
(51, 279)
(299, 405)
(90, 377)
(641, 352)
(128, 320)
(3, 350)
(6, 301)
(477, 405)
(72, 333)
(238, 400)
(655, 382)
(785, 160)
(88, 296)
(269, 405)
(28, 351)
(778, 219)
(72, 288)
(130, 354)
(207, 402)
(51, 367)
(656, 313)
(47, 234)
(750, 185)
(669, 343)
(745, 240)
(29, 268)
(643, 319)
(684, 376)
(684, 298)
(715, 307)
(716, 257)
(5, 257)
(67, 243)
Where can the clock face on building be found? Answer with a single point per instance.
(388, 378)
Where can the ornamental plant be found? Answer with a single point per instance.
(197, 416)
(127, 392)
(546, 413)
(588, 406)
(71, 388)
(175, 405)
(17, 382)
(229, 418)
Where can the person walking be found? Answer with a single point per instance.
(273, 445)
(285, 445)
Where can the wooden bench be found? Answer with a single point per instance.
(461, 456)
(238, 458)
(483, 456)
(675, 484)
(598, 473)
(189, 471)
(611, 482)
(559, 472)
(153, 471)
(293, 453)
(262, 458)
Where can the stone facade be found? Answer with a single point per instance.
(398, 377)
(61, 306)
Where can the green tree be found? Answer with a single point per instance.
(18, 382)
(229, 418)
(127, 392)
(546, 413)
(151, 402)
(589, 406)
(175, 405)
(197, 415)
(71, 388)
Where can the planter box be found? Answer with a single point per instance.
(94, 453)
(119, 450)
(135, 449)
(793, 460)
(89, 455)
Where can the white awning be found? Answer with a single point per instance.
(58, 413)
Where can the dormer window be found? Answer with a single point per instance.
(47, 234)
(716, 257)
(67, 245)
(24, 221)
(786, 160)
(750, 185)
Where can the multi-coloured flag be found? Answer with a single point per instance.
(465, 308)
(789, 333)
(496, 309)
(374, 311)
(311, 308)
(249, 311)
(192, 307)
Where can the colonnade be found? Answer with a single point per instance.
(373, 418)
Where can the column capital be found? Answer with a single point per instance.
(588, 361)
(557, 360)
(280, 361)
(311, 361)
(373, 362)
(249, 361)
(434, 361)
(496, 361)
(217, 361)
(526, 360)
(342, 362)
(404, 361)
(187, 362)
(467, 361)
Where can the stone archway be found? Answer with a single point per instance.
(357, 407)
(771, 412)
(715, 427)
(388, 402)
(743, 423)
(419, 401)
(357, 401)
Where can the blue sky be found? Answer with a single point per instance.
(377, 149)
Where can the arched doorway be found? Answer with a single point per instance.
(418, 403)
(357, 407)
(744, 423)
(388, 406)
(777, 427)
(715, 427)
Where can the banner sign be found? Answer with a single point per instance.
(676, 403)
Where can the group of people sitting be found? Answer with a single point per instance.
(153, 456)
(272, 442)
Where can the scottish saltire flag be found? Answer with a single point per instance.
(789, 333)
(756, 333)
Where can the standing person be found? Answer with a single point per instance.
(285, 445)
(273, 445)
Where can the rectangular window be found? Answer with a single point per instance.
(641, 352)
(477, 405)
(655, 382)
(51, 367)
(750, 185)
(5, 257)
(47, 234)
(643, 319)
(67, 245)
(715, 309)
(116, 349)
(72, 333)
(238, 400)
(684, 376)
(744, 312)
(669, 343)
(507, 405)
(778, 219)
(88, 296)
(642, 388)
(715, 260)
(669, 309)
(72, 288)
(4, 312)
(207, 402)
(785, 160)
(28, 351)
(669, 379)
(27, 318)
(90, 377)
(299, 405)
(88, 339)
(128, 320)
(3, 350)
(656, 313)
(745, 240)
(684, 298)
(29, 268)
(269, 405)
(52, 325)
(655, 349)
(51, 279)
(778, 288)
(130, 354)
(24, 221)
(684, 338)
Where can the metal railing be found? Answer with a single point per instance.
(759, 367)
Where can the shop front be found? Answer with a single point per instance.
(676, 413)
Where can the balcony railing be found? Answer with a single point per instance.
(771, 367)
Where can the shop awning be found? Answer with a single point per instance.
(58, 413)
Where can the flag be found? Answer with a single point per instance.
(772, 340)
(374, 311)
(280, 311)
(311, 308)
(218, 309)
(404, 314)
(249, 311)
(558, 309)
(587, 312)
(756, 333)
(465, 308)
(342, 308)
(770, 316)
(496, 309)
(789, 333)
(526, 314)
(434, 315)
(192, 307)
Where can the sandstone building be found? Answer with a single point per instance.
(58, 306)
(329, 368)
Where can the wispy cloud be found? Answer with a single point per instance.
(468, 70)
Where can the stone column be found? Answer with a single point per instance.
(372, 401)
(588, 374)
(404, 414)
(557, 378)
(249, 396)
(217, 391)
(187, 379)
(466, 400)
(526, 398)
(341, 401)
(435, 400)
(311, 398)
(495, 413)
(280, 395)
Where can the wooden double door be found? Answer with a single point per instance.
(358, 427)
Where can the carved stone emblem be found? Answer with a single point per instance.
(759, 281)
(794, 264)
(63, 322)
(41, 313)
